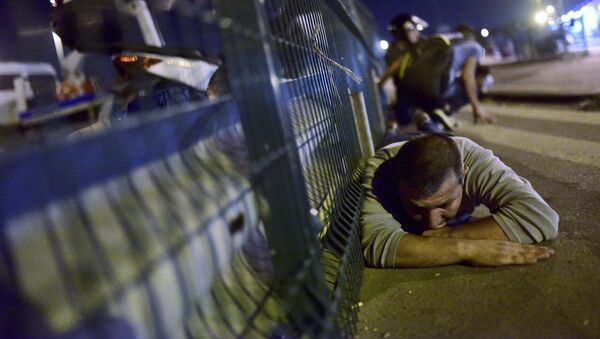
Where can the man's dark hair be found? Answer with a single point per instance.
(425, 162)
(467, 31)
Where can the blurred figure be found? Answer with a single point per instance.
(406, 30)
(158, 89)
(483, 80)
(151, 74)
(138, 90)
(437, 76)
(466, 79)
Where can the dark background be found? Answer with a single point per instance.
(447, 14)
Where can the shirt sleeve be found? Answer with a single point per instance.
(381, 233)
(467, 48)
(519, 210)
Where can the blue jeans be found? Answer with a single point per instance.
(455, 96)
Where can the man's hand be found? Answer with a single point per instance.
(499, 253)
(480, 115)
(483, 243)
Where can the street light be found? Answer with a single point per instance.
(541, 17)
(550, 9)
(383, 44)
(485, 33)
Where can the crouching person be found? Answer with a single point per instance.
(419, 196)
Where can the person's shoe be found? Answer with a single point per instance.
(426, 125)
(449, 121)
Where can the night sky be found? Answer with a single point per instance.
(476, 13)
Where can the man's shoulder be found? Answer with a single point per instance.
(463, 142)
(381, 156)
(385, 153)
(391, 147)
(466, 48)
(469, 150)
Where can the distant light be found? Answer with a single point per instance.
(383, 44)
(420, 27)
(550, 9)
(541, 17)
(53, 3)
(577, 27)
(571, 15)
(485, 33)
(590, 19)
(314, 212)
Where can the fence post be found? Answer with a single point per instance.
(363, 128)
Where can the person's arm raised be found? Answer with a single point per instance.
(420, 251)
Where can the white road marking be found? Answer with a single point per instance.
(578, 151)
(588, 118)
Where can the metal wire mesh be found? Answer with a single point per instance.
(234, 218)
(313, 62)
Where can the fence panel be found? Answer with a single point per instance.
(232, 218)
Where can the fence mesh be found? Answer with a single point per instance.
(236, 217)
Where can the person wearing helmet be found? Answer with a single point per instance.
(406, 30)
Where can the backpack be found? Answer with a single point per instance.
(424, 70)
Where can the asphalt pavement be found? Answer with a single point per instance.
(557, 148)
(567, 76)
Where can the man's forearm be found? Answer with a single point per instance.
(420, 251)
(469, 82)
(390, 71)
(486, 228)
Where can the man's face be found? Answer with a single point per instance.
(413, 36)
(434, 211)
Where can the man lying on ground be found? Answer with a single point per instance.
(419, 196)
